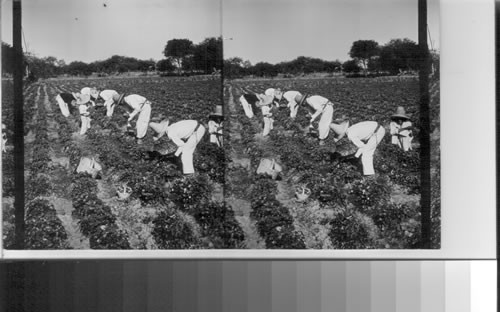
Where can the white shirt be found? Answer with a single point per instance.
(317, 102)
(181, 130)
(290, 96)
(107, 95)
(360, 132)
(135, 101)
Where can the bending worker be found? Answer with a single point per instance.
(108, 96)
(321, 106)
(186, 134)
(66, 102)
(366, 135)
(142, 107)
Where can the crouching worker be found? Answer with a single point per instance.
(186, 134)
(366, 135)
(401, 129)
(83, 102)
(142, 107)
(66, 102)
(215, 126)
(90, 164)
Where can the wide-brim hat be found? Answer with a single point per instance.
(339, 129)
(160, 127)
(300, 99)
(265, 99)
(82, 99)
(217, 112)
(400, 113)
(118, 98)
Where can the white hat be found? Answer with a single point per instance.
(265, 99)
(160, 127)
(339, 129)
(83, 99)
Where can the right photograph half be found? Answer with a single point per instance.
(333, 123)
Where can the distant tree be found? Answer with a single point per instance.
(207, 55)
(233, 67)
(78, 68)
(351, 66)
(399, 54)
(363, 50)
(165, 65)
(264, 69)
(178, 50)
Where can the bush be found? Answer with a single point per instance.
(217, 222)
(171, 231)
(44, 230)
(350, 231)
(188, 192)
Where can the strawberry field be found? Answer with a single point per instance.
(345, 210)
(226, 204)
(165, 210)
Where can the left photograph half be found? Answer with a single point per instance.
(122, 126)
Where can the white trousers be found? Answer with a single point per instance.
(188, 150)
(246, 107)
(110, 107)
(143, 120)
(294, 107)
(369, 149)
(85, 124)
(268, 125)
(325, 121)
(403, 141)
(63, 106)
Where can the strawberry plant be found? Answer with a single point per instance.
(172, 231)
(43, 229)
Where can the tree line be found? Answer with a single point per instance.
(182, 56)
(367, 57)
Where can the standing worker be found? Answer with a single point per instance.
(401, 129)
(366, 135)
(141, 106)
(186, 134)
(215, 126)
(322, 106)
(66, 102)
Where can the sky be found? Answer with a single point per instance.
(86, 30)
(255, 30)
(281, 30)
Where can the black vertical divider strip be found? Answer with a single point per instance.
(425, 151)
(18, 127)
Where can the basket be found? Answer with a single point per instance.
(302, 193)
(123, 191)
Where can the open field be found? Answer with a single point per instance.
(345, 209)
(66, 210)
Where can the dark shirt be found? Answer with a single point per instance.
(67, 97)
